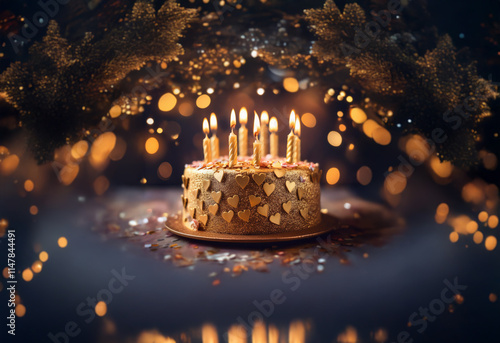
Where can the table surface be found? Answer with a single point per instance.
(363, 282)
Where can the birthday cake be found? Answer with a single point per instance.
(255, 195)
(273, 197)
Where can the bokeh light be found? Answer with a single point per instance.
(62, 242)
(29, 185)
(332, 176)
(490, 243)
(334, 138)
(203, 101)
(164, 170)
(43, 256)
(364, 175)
(291, 84)
(101, 308)
(167, 102)
(152, 145)
(358, 115)
(309, 120)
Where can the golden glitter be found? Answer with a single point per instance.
(453, 237)
(471, 226)
(34, 210)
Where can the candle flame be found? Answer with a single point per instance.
(273, 124)
(206, 130)
(233, 119)
(243, 116)
(256, 126)
(213, 122)
(264, 117)
(291, 123)
(297, 126)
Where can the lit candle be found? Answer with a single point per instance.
(207, 151)
(243, 132)
(214, 139)
(264, 132)
(273, 127)
(297, 140)
(290, 142)
(257, 145)
(233, 142)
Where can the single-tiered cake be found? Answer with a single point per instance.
(273, 197)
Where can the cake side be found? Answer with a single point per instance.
(251, 200)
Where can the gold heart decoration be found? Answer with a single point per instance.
(228, 216)
(290, 186)
(233, 201)
(254, 200)
(269, 188)
(216, 196)
(244, 215)
(275, 219)
(219, 175)
(287, 206)
(263, 210)
(259, 178)
(242, 180)
(213, 208)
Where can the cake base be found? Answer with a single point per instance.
(175, 225)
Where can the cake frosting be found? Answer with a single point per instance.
(245, 199)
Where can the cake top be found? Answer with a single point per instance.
(246, 163)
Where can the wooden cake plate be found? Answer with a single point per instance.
(175, 225)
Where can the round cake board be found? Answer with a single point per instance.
(328, 223)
